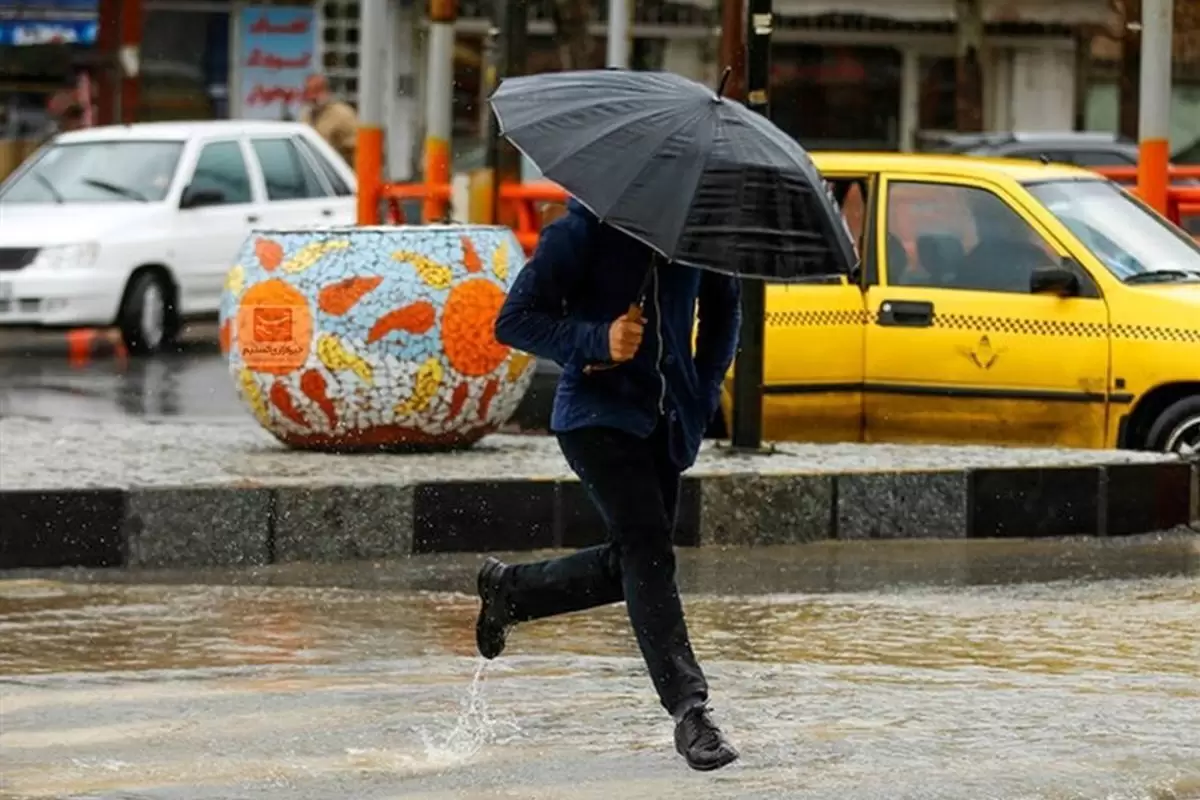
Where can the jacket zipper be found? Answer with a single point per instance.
(662, 379)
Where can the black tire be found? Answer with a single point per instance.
(148, 319)
(1177, 429)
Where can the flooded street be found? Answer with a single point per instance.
(905, 670)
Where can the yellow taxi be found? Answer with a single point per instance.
(998, 301)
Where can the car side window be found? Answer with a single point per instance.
(340, 187)
(1101, 158)
(959, 237)
(287, 175)
(222, 168)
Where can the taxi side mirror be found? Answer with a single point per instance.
(1059, 280)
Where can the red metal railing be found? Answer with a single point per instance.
(1183, 201)
(529, 205)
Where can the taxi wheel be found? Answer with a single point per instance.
(1177, 429)
(147, 318)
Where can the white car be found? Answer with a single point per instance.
(136, 226)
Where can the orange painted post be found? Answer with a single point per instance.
(372, 65)
(368, 166)
(1154, 103)
(439, 112)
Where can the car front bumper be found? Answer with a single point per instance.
(34, 298)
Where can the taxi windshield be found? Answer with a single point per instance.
(1134, 244)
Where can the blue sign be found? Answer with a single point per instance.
(24, 32)
(279, 47)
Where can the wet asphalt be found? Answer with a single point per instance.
(40, 378)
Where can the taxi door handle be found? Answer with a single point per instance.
(905, 313)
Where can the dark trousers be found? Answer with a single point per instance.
(635, 486)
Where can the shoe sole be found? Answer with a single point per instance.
(716, 765)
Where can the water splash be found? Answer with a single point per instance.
(476, 727)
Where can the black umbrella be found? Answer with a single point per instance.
(702, 179)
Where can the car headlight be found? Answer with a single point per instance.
(67, 256)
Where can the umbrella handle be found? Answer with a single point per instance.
(633, 314)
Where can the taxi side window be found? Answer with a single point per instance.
(959, 237)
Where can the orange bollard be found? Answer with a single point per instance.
(79, 345)
(368, 168)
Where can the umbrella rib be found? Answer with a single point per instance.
(659, 100)
(611, 127)
(688, 120)
(562, 110)
(708, 151)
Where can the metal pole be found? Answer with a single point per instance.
(618, 34)
(511, 20)
(1154, 103)
(439, 90)
(733, 47)
(129, 56)
(748, 369)
(372, 72)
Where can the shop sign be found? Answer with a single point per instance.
(278, 44)
(26, 32)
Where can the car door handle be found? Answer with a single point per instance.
(905, 313)
(252, 218)
(326, 212)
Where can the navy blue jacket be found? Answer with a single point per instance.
(582, 277)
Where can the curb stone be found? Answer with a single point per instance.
(255, 525)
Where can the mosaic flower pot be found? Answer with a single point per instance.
(374, 338)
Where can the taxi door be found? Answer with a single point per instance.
(959, 348)
(813, 369)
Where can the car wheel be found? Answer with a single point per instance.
(147, 318)
(1177, 430)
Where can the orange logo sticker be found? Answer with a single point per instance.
(274, 328)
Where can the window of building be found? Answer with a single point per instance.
(936, 103)
(286, 174)
(837, 97)
(184, 71)
(222, 167)
(960, 237)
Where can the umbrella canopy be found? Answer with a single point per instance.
(700, 178)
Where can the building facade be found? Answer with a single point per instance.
(858, 74)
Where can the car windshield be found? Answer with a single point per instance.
(96, 172)
(1135, 244)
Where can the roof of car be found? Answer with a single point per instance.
(958, 165)
(993, 138)
(178, 131)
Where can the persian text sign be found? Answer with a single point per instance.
(22, 32)
(278, 46)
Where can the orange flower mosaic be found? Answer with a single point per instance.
(375, 338)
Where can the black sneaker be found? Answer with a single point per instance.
(700, 741)
(492, 626)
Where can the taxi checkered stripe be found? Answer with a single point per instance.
(817, 319)
(1045, 327)
(1156, 334)
(976, 322)
(1029, 327)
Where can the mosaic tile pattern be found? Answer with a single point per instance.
(374, 338)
